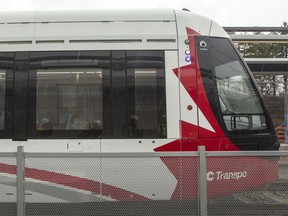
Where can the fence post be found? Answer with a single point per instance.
(202, 187)
(20, 181)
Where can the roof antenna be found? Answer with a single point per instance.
(185, 9)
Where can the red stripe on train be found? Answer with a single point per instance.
(75, 182)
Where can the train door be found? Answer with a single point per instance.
(137, 106)
(6, 102)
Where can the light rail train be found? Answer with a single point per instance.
(128, 81)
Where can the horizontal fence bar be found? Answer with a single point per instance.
(111, 155)
(8, 154)
(255, 29)
(150, 154)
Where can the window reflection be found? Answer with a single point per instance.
(239, 101)
(69, 99)
(146, 92)
(234, 87)
(146, 98)
(115, 94)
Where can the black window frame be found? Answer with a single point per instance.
(115, 74)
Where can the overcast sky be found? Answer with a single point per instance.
(225, 12)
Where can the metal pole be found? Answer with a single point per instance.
(20, 181)
(202, 181)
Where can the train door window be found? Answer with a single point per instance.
(6, 93)
(146, 105)
(69, 97)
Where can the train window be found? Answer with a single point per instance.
(93, 94)
(146, 93)
(142, 86)
(234, 87)
(67, 88)
(6, 94)
(69, 99)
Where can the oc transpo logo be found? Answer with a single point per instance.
(220, 175)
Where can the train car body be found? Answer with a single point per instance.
(129, 81)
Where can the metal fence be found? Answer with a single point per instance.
(182, 183)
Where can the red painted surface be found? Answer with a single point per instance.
(257, 171)
(75, 182)
(225, 175)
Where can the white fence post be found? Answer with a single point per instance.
(20, 181)
(202, 187)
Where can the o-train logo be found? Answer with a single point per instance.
(220, 175)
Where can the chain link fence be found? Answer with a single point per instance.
(8, 189)
(260, 185)
(182, 183)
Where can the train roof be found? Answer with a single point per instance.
(136, 15)
(101, 29)
(87, 16)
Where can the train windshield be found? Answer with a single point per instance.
(237, 97)
(239, 103)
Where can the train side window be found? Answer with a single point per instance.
(146, 94)
(69, 99)
(66, 88)
(97, 94)
(6, 94)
